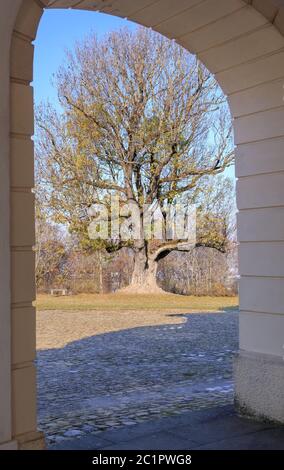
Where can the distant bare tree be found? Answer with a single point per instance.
(50, 253)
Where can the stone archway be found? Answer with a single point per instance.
(241, 42)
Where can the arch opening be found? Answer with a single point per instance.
(96, 390)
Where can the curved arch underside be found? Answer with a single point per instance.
(242, 43)
(166, 16)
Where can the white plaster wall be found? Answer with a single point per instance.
(7, 19)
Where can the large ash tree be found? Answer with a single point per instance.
(140, 118)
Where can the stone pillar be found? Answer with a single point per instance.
(24, 415)
(256, 99)
(7, 19)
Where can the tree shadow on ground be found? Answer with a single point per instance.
(106, 380)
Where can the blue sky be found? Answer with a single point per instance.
(58, 31)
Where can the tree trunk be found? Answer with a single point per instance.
(144, 277)
(100, 262)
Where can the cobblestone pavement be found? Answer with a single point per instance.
(127, 377)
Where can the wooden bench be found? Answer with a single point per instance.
(59, 292)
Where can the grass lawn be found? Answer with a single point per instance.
(143, 302)
(62, 320)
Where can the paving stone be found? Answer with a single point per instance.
(88, 443)
(141, 374)
(238, 434)
(158, 441)
(73, 433)
(268, 439)
(219, 429)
